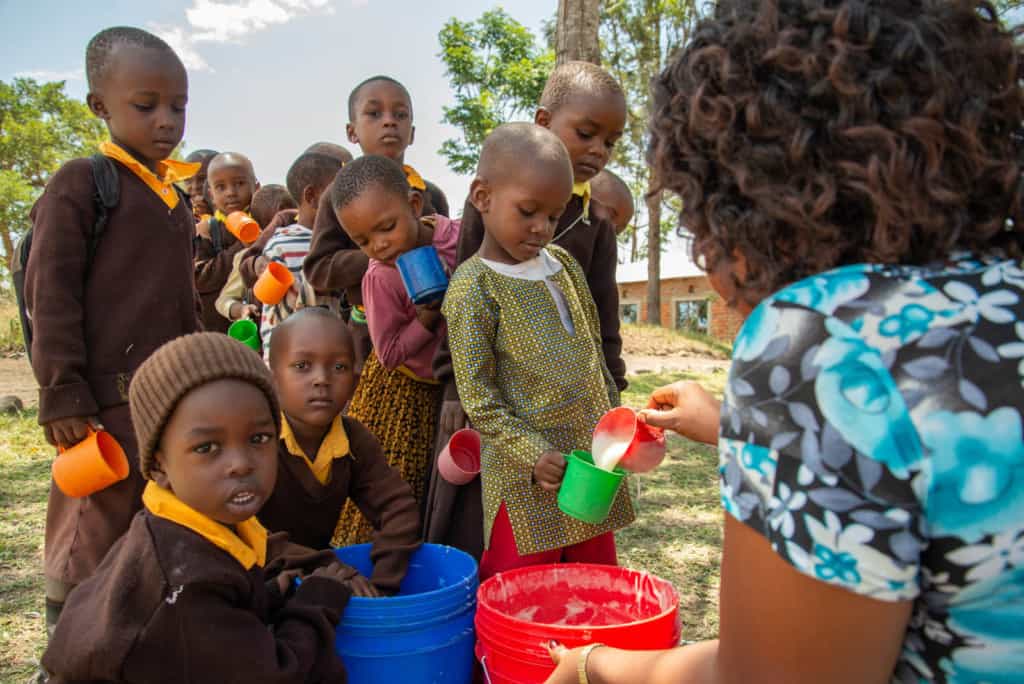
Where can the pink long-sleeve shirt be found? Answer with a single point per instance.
(398, 337)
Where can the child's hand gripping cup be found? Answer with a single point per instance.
(93, 464)
(243, 227)
(423, 275)
(246, 332)
(588, 492)
(274, 284)
(459, 461)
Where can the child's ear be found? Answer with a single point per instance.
(311, 194)
(350, 131)
(96, 106)
(416, 202)
(542, 117)
(480, 195)
(156, 471)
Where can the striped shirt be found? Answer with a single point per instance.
(289, 247)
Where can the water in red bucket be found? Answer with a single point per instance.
(520, 611)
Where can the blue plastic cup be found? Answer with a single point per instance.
(423, 275)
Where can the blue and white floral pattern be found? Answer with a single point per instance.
(872, 432)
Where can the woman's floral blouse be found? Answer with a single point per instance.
(871, 431)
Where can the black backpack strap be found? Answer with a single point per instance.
(217, 229)
(108, 194)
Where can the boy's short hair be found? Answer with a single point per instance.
(353, 97)
(368, 170)
(437, 198)
(99, 49)
(331, 150)
(514, 145)
(281, 331)
(574, 78)
(311, 169)
(269, 200)
(203, 156)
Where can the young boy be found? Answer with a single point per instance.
(99, 309)
(326, 459)
(307, 179)
(196, 590)
(235, 300)
(380, 122)
(585, 107)
(613, 197)
(231, 182)
(195, 186)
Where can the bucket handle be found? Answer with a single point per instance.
(487, 675)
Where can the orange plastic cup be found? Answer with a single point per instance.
(95, 463)
(243, 227)
(274, 284)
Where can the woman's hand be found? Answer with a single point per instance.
(566, 664)
(685, 408)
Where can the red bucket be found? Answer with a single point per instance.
(520, 611)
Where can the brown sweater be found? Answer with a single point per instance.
(89, 338)
(308, 511)
(594, 246)
(166, 605)
(212, 269)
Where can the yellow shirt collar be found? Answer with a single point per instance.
(414, 178)
(335, 445)
(168, 172)
(583, 190)
(248, 546)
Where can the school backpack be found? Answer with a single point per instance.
(106, 197)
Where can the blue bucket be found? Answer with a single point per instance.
(423, 275)
(424, 635)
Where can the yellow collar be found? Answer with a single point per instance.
(414, 178)
(335, 445)
(168, 172)
(248, 546)
(583, 190)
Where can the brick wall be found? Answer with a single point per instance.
(724, 322)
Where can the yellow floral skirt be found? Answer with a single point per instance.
(401, 412)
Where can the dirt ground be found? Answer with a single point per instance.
(16, 379)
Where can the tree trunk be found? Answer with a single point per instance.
(577, 30)
(653, 256)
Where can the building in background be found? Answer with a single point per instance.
(687, 300)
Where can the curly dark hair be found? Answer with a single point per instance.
(808, 134)
(368, 170)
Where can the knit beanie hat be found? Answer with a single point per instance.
(181, 366)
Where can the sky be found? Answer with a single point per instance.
(269, 77)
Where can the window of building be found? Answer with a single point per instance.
(629, 313)
(692, 315)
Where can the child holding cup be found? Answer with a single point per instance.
(526, 350)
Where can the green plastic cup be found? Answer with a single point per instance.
(588, 492)
(246, 332)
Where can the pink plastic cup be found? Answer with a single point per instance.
(459, 461)
(646, 448)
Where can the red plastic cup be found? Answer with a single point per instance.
(274, 284)
(459, 461)
(93, 464)
(646, 448)
(243, 227)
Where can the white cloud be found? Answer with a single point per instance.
(77, 74)
(220, 21)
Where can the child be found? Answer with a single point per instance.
(397, 396)
(196, 590)
(612, 195)
(380, 122)
(585, 107)
(325, 459)
(195, 185)
(232, 182)
(308, 177)
(235, 300)
(96, 316)
(526, 349)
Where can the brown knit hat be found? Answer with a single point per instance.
(181, 366)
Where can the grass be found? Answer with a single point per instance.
(677, 534)
(11, 341)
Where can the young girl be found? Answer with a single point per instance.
(397, 397)
(526, 349)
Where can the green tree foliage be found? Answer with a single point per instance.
(41, 127)
(497, 71)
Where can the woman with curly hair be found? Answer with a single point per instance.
(851, 173)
